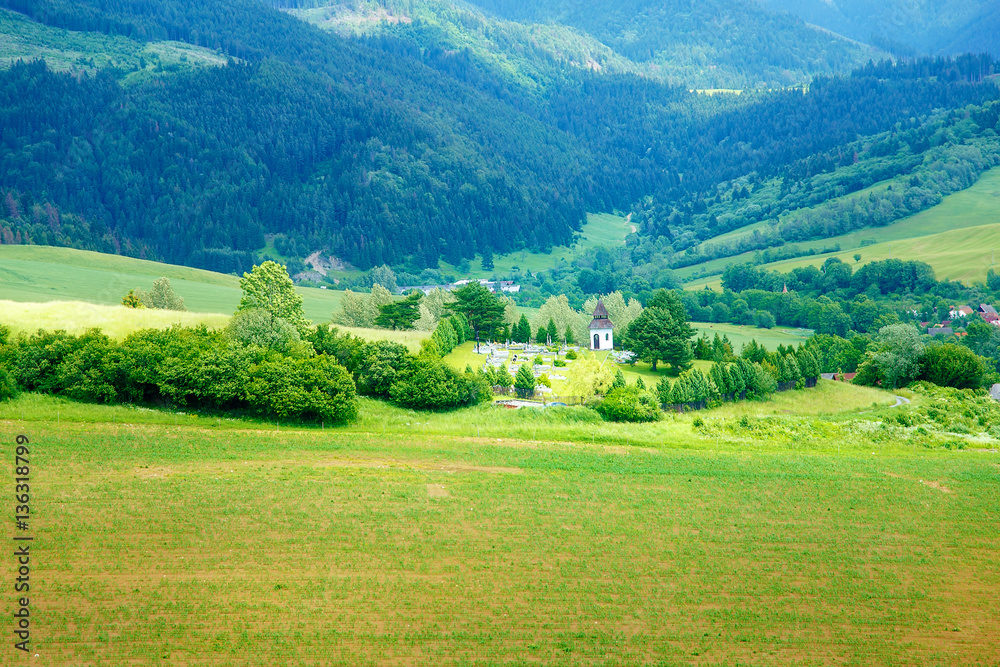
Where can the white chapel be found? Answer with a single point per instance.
(602, 335)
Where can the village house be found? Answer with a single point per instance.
(508, 286)
(960, 311)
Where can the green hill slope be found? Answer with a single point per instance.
(957, 237)
(443, 136)
(931, 26)
(708, 44)
(40, 274)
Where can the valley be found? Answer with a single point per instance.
(244, 438)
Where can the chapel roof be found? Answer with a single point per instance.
(600, 320)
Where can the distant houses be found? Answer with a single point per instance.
(506, 286)
(985, 310)
(934, 331)
(843, 377)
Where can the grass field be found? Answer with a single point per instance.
(956, 237)
(410, 539)
(601, 229)
(42, 273)
(76, 317)
(739, 334)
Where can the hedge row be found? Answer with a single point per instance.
(182, 367)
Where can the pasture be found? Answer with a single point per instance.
(741, 334)
(43, 273)
(957, 237)
(492, 536)
(600, 230)
(75, 317)
(960, 254)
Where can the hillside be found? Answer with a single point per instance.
(721, 44)
(437, 139)
(934, 26)
(956, 237)
(42, 274)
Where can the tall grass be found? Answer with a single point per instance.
(116, 321)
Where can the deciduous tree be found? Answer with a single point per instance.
(268, 286)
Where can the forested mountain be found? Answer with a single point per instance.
(904, 26)
(703, 44)
(440, 136)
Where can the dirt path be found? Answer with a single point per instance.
(901, 401)
(628, 221)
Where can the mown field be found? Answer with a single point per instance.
(43, 273)
(957, 237)
(494, 536)
(740, 334)
(600, 230)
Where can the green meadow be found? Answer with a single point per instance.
(957, 237)
(740, 334)
(43, 273)
(600, 230)
(492, 536)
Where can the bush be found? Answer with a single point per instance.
(558, 363)
(381, 366)
(524, 382)
(571, 354)
(316, 389)
(260, 327)
(85, 374)
(956, 366)
(161, 296)
(430, 384)
(629, 404)
(764, 320)
(8, 386)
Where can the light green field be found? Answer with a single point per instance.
(494, 536)
(411, 339)
(960, 254)
(601, 230)
(75, 317)
(43, 273)
(739, 335)
(956, 237)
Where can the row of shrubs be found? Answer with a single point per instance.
(386, 370)
(314, 379)
(693, 390)
(182, 367)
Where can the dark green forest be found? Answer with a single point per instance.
(393, 149)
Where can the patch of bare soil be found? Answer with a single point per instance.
(437, 491)
(449, 467)
(934, 485)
